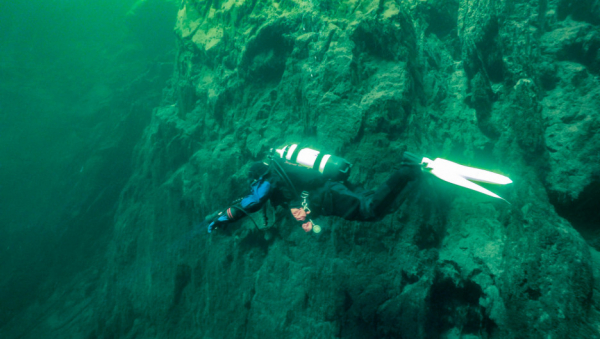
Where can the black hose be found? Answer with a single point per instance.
(246, 213)
(281, 172)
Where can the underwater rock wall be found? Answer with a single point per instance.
(510, 86)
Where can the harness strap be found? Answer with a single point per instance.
(282, 173)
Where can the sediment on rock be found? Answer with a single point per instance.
(509, 86)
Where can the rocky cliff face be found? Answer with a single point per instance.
(510, 86)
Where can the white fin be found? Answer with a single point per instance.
(456, 179)
(460, 175)
(470, 173)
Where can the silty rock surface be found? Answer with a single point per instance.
(510, 86)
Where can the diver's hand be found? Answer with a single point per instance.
(212, 226)
(307, 226)
(220, 221)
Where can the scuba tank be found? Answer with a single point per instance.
(328, 166)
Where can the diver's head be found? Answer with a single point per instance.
(257, 170)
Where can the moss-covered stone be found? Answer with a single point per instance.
(510, 86)
(482, 83)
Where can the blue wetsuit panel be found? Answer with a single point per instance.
(257, 197)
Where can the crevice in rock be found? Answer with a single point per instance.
(183, 276)
(442, 18)
(583, 213)
(455, 307)
(486, 55)
(186, 98)
(255, 239)
(265, 56)
(359, 317)
(580, 10)
(428, 238)
(481, 98)
(321, 54)
(533, 293)
(408, 279)
(370, 38)
(547, 74)
(585, 53)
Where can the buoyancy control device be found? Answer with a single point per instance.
(330, 167)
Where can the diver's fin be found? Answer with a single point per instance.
(456, 179)
(460, 175)
(470, 173)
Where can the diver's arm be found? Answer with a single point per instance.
(258, 196)
(249, 204)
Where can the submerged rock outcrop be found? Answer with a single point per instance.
(510, 86)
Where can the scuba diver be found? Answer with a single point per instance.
(311, 184)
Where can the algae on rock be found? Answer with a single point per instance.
(511, 86)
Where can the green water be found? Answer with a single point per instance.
(78, 80)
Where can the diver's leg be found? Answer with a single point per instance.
(384, 196)
(338, 200)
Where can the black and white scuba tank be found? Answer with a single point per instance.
(326, 166)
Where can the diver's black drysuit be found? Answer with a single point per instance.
(291, 188)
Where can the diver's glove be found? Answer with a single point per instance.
(217, 223)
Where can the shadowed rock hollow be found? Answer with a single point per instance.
(510, 86)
